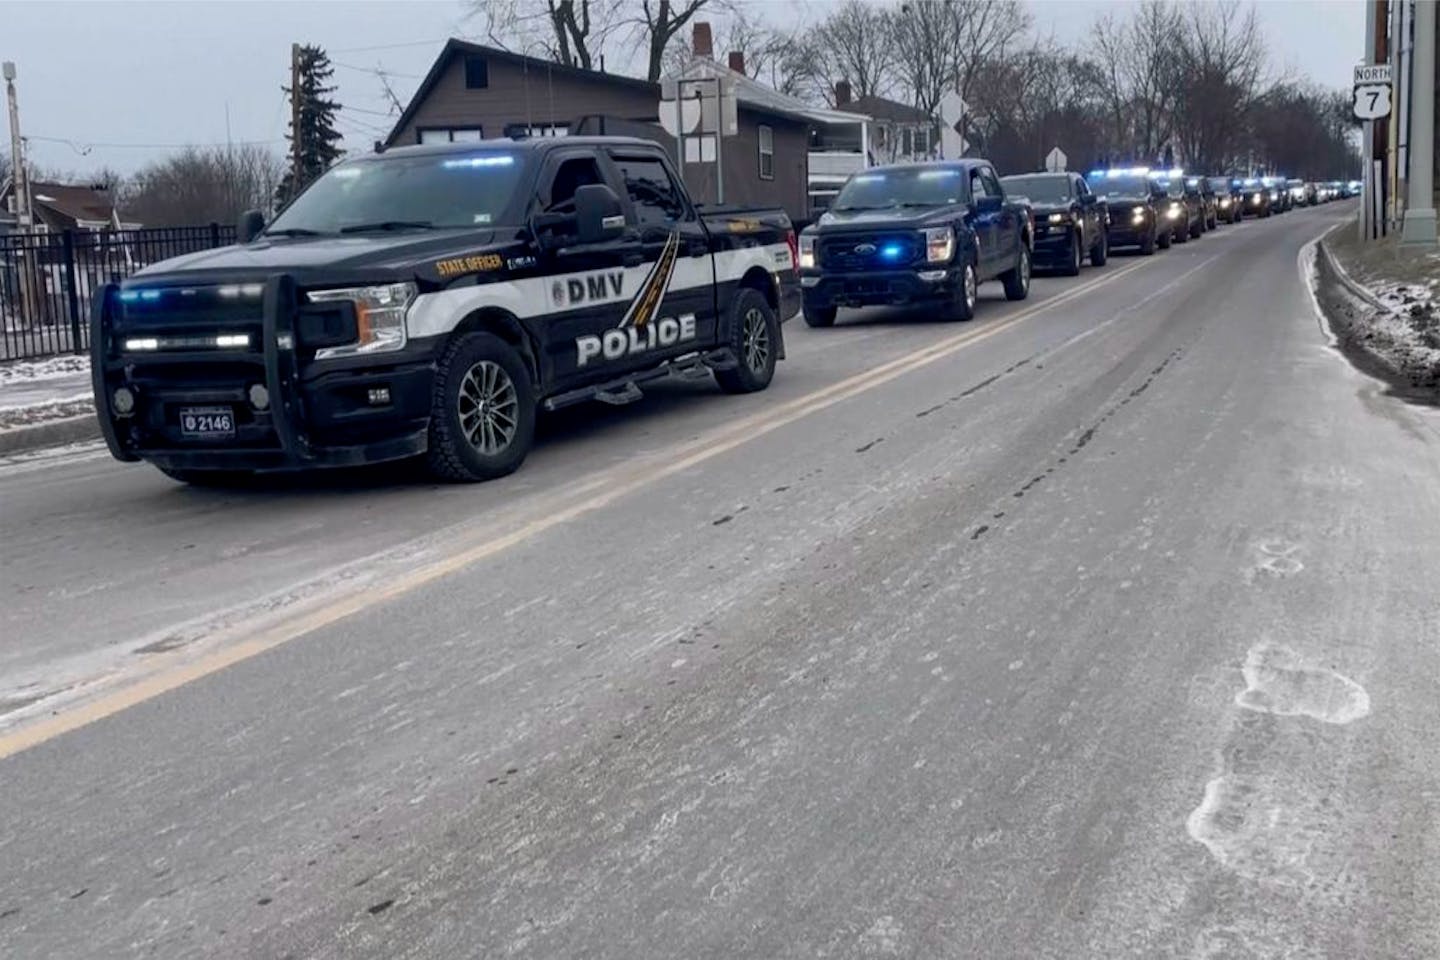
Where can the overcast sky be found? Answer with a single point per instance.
(125, 80)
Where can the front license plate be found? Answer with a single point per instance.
(207, 423)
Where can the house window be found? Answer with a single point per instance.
(922, 141)
(477, 73)
(767, 151)
(450, 134)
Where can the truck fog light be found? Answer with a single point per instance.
(259, 396)
(123, 401)
(379, 396)
(931, 276)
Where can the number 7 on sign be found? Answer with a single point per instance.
(1372, 101)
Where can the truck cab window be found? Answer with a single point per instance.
(572, 174)
(977, 186)
(656, 199)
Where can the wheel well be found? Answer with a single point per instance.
(757, 279)
(501, 324)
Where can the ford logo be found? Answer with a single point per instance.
(865, 249)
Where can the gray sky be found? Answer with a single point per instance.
(124, 79)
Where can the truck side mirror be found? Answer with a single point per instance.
(252, 222)
(598, 214)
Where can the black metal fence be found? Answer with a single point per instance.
(47, 279)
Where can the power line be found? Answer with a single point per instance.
(391, 46)
(376, 69)
(85, 146)
(373, 113)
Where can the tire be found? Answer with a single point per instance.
(963, 307)
(215, 479)
(1180, 236)
(1072, 266)
(1101, 251)
(481, 384)
(755, 338)
(1017, 278)
(1164, 241)
(1147, 246)
(1197, 229)
(819, 316)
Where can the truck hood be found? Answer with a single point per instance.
(385, 251)
(894, 217)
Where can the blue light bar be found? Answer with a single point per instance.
(129, 296)
(470, 163)
(150, 295)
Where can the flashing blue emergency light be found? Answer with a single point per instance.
(129, 296)
(470, 163)
(892, 251)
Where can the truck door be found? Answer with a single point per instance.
(680, 314)
(986, 224)
(589, 285)
(1089, 209)
(1006, 234)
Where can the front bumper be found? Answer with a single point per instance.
(1128, 233)
(1054, 245)
(880, 287)
(319, 414)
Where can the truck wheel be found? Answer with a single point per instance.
(819, 316)
(963, 306)
(1072, 266)
(209, 478)
(1101, 251)
(1017, 279)
(1147, 246)
(755, 339)
(1164, 240)
(1181, 236)
(482, 410)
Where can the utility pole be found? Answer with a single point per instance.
(1419, 225)
(295, 183)
(17, 151)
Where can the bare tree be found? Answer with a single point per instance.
(202, 185)
(855, 43)
(572, 32)
(1141, 60)
(658, 22)
(737, 29)
(944, 45)
(985, 31)
(1219, 70)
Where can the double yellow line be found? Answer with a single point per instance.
(239, 642)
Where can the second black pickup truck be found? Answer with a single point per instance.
(923, 233)
(1071, 222)
(428, 301)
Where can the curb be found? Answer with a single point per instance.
(52, 434)
(1349, 283)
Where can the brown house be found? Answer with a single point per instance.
(63, 206)
(474, 92)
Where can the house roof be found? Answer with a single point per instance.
(892, 110)
(455, 46)
(755, 94)
(76, 202)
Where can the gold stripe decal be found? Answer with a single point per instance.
(652, 291)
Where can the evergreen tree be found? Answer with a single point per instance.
(319, 140)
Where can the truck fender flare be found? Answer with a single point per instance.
(503, 324)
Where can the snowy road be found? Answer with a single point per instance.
(1105, 626)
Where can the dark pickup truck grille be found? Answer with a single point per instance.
(871, 251)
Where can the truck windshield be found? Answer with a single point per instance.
(1039, 189)
(1121, 186)
(1219, 184)
(388, 193)
(902, 187)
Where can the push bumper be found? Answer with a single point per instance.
(1129, 234)
(880, 288)
(319, 414)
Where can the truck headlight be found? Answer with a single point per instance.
(807, 252)
(1174, 211)
(379, 317)
(1137, 215)
(1058, 218)
(939, 244)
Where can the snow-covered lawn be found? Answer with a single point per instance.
(50, 368)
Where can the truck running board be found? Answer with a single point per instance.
(626, 389)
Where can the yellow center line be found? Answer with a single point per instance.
(242, 641)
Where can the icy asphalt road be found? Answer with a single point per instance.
(1110, 631)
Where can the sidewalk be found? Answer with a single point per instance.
(1389, 307)
(45, 403)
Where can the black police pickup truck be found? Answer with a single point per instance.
(427, 300)
(1137, 203)
(1071, 222)
(924, 233)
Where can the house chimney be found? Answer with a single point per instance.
(703, 44)
(737, 61)
(842, 93)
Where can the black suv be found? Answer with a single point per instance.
(1229, 201)
(1255, 197)
(1181, 213)
(1135, 203)
(1070, 221)
(1199, 186)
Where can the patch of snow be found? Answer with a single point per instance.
(61, 409)
(50, 368)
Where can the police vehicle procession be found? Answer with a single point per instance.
(427, 302)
